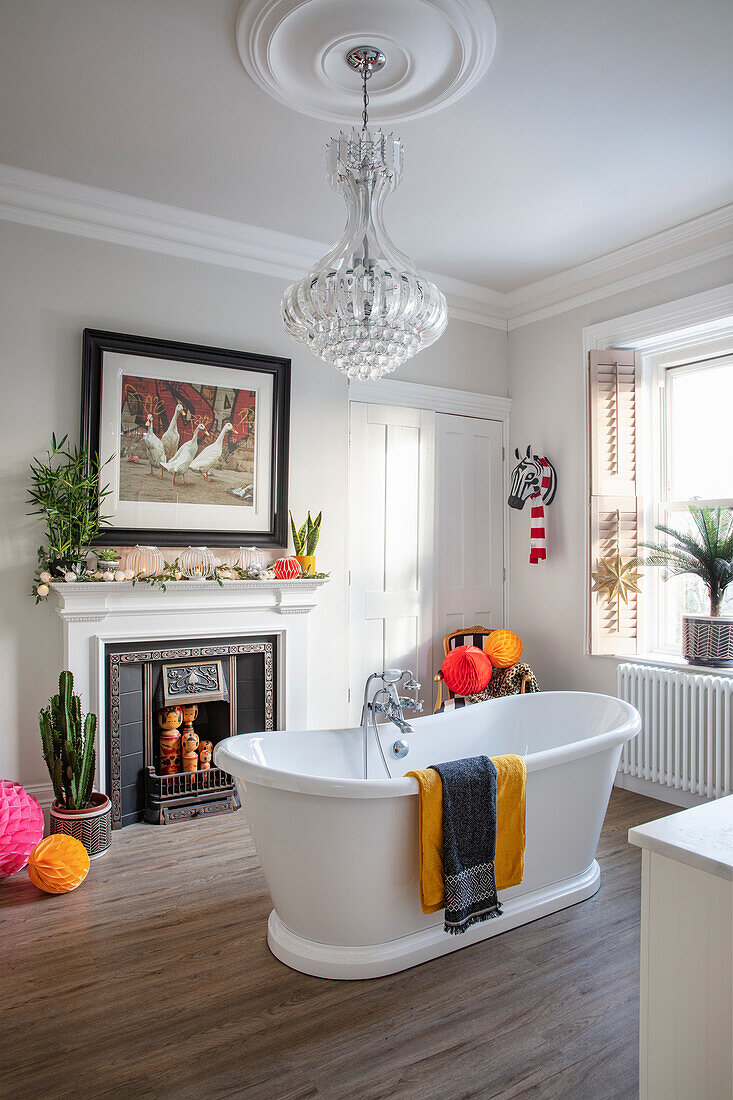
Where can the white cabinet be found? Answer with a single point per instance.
(686, 1003)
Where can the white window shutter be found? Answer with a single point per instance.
(614, 504)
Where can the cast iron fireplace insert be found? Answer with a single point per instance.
(137, 790)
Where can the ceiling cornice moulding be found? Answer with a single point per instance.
(48, 202)
(691, 244)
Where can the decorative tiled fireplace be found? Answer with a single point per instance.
(116, 637)
(136, 782)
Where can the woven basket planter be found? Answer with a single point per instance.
(707, 640)
(93, 826)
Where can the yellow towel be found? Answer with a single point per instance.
(511, 800)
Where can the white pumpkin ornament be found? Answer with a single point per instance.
(45, 577)
(129, 574)
(97, 575)
(108, 576)
(69, 577)
(42, 590)
(120, 575)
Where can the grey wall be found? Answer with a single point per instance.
(53, 285)
(547, 387)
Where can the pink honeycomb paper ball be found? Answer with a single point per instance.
(21, 826)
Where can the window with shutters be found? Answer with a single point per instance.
(649, 461)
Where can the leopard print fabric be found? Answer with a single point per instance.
(506, 681)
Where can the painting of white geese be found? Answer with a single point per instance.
(170, 438)
(211, 454)
(184, 456)
(153, 448)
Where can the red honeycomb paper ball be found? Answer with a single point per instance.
(467, 670)
(21, 826)
(287, 569)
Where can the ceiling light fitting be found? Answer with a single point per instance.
(364, 306)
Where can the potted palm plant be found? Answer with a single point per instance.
(65, 491)
(305, 540)
(706, 552)
(70, 755)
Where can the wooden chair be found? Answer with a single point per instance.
(467, 635)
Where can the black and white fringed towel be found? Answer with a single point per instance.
(469, 841)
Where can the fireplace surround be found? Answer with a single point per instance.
(101, 621)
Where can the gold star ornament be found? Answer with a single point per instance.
(616, 579)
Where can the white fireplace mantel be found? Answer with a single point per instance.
(97, 613)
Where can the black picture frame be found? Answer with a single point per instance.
(94, 345)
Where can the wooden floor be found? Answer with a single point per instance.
(154, 980)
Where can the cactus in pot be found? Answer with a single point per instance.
(68, 741)
(68, 746)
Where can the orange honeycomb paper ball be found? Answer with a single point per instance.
(503, 648)
(58, 864)
(466, 670)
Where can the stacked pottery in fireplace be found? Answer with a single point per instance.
(184, 784)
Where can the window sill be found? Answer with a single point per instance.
(675, 662)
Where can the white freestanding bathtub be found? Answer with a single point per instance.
(340, 854)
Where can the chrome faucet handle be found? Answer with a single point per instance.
(412, 684)
(392, 675)
(407, 703)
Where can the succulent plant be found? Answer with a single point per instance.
(68, 746)
(305, 538)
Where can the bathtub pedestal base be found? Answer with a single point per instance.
(375, 960)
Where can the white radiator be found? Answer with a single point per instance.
(686, 729)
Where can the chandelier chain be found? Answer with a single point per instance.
(365, 74)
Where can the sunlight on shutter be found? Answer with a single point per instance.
(614, 506)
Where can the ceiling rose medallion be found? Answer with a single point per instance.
(437, 51)
(363, 306)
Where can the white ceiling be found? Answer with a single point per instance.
(597, 124)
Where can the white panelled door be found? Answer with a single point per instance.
(469, 525)
(391, 483)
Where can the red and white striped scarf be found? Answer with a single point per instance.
(537, 531)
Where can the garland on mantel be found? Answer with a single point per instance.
(170, 572)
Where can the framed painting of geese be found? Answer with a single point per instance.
(197, 440)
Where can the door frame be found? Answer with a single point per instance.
(415, 395)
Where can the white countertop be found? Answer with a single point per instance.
(701, 837)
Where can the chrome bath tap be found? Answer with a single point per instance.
(387, 701)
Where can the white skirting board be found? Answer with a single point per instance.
(660, 791)
(323, 960)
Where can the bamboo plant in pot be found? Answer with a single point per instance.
(706, 552)
(70, 755)
(305, 540)
(66, 493)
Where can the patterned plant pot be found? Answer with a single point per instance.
(93, 826)
(707, 640)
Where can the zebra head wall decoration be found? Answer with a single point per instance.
(533, 478)
(527, 478)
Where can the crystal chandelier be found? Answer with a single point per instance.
(364, 306)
